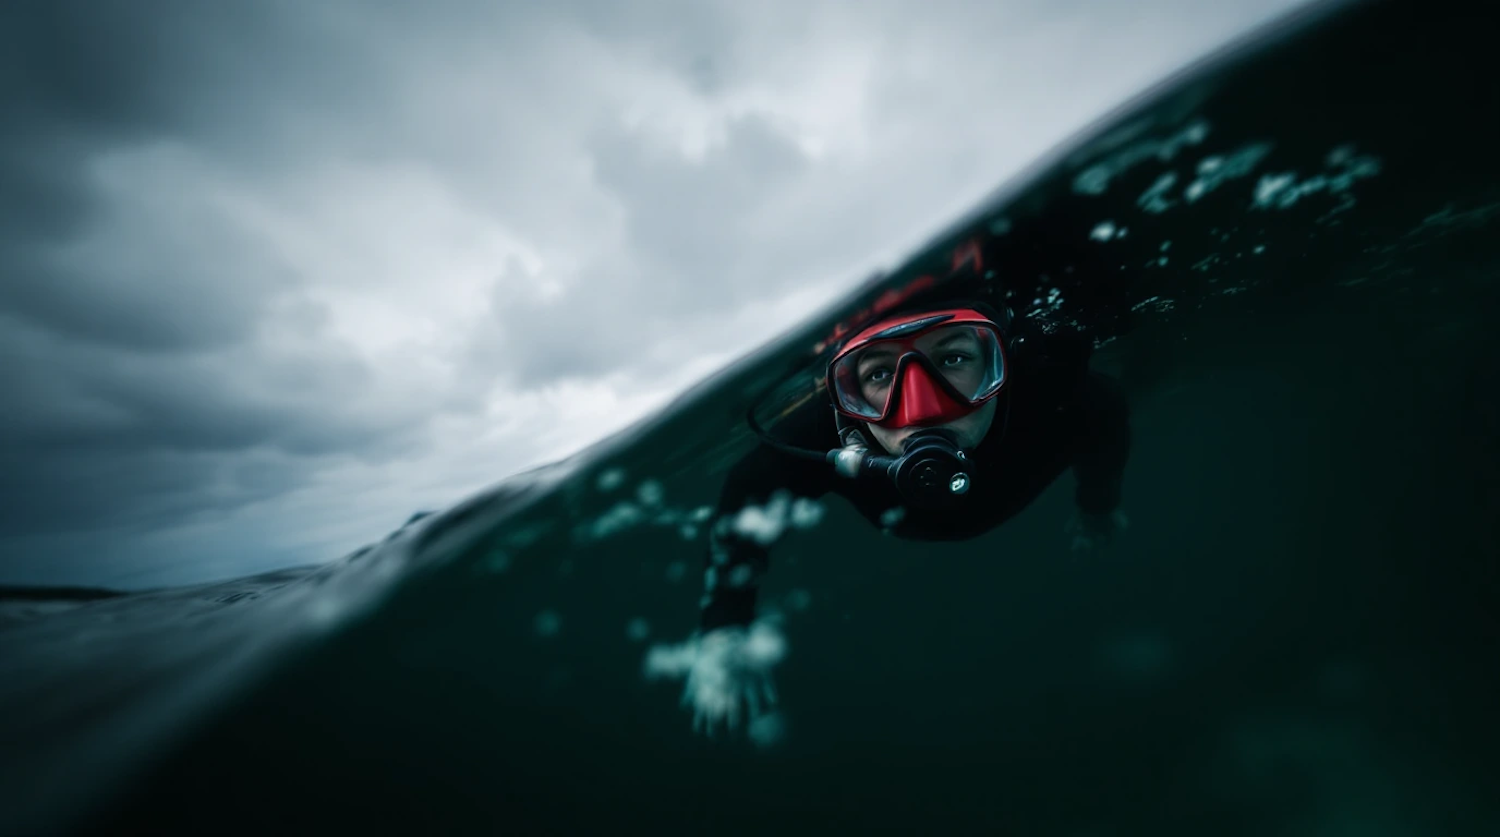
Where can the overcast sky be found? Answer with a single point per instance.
(277, 273)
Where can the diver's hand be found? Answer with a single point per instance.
(728, 673)
(730, 677)
(1096, 531)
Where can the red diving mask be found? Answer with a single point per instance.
(919, 370)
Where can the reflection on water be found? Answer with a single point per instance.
(1294, 279)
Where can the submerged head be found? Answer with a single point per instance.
(929, 368)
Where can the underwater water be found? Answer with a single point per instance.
(1288, 254)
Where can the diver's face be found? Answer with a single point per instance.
(970, 429)
(955, 351)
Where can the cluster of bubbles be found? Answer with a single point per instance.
(727, 677)
(1341, 168)
(647, 508)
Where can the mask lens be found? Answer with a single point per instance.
(967, 356)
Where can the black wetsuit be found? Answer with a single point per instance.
(1055, 414)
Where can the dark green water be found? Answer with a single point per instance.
(1297, 635)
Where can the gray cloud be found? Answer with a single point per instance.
(143, 385)
(149, 271)
(87, 423)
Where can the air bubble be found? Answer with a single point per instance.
(547, 623)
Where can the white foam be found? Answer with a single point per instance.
(806, 513)
(1270, 186)
(1282, 191)
(647, 509)
(766, 645)
(620, 517)
(1154, 199)
(649, 493)
(1161, 306)
(741, 576)
(669, 660)
(1214, 171)
(1054, 300)
(611, 479)
(727, 674)
(753, 522)
(762, 524)
(1095, 179)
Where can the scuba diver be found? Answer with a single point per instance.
(940, 422)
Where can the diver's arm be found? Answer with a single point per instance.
(727, 665)
(753, 510)
(1103, 446)
(730, 580)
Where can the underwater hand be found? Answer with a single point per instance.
(730, 677)
(1096, 531)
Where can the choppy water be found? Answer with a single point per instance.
(1288, 254)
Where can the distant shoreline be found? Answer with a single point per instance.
(72, 594)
